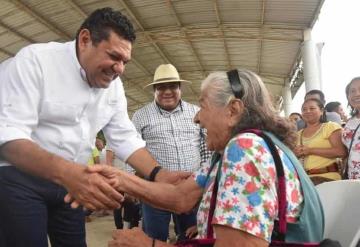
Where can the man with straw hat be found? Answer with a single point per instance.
(175, 141)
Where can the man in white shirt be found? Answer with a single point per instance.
(54, 98)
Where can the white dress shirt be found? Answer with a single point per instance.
(45, 98)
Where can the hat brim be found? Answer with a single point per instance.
(166, 81)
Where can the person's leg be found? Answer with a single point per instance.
(183, 222)
(66, 226)
(118, 219)
(156, 222)
(23, 211)
(132, 213)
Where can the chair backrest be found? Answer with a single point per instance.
(341, 200)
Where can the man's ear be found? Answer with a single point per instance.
(84, 38)
(236, 108)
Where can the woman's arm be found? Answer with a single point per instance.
(227, 236)
(179, 198)
(337, 149)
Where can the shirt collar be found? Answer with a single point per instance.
(72, 48)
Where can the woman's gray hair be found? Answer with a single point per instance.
(259, 110)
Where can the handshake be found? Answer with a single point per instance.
(102, 186)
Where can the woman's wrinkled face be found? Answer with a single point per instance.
(311, 112)
(354, 95)
(215, 120)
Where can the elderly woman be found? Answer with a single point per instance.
(351, 133)
(242, 173)
(319, 143)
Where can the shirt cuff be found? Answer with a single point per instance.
(128, 147)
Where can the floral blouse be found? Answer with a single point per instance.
(247, 192)
(354, 155)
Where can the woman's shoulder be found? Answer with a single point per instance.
(244, 145)
(245, 140)
(352, 123)
(330, 127)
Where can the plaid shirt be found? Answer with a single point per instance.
(174, 140)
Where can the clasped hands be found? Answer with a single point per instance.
(94, 187)
(301, 151)
(102, 186)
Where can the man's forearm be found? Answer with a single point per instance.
(142, 161)
(30, 157)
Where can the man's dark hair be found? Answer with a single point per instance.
(331, 106)
(318, 92)
(102, 21)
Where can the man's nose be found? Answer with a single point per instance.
(118, 68)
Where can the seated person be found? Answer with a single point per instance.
(246, 199)
(319, 144)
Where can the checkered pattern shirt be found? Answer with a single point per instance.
(174, 140)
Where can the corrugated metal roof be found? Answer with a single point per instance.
(197, 36)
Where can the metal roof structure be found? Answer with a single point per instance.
(196, 36)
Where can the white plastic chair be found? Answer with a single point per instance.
(356, 240)
(341, 200)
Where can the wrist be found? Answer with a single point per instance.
(154, 172)
(67, 172)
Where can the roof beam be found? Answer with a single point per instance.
(197, 58)
(11, 30)
(77, 8)
(157, 48)
(166, 35)
(41, 19)
(261, 40)
(173, 11)
(129, 83)
(226, 49)
(140, 66)
(10, 54)
(133, 99)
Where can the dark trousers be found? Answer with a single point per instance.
(156, 222)
(32, 208)
(132, 214)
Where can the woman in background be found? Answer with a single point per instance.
(351, 134)
(319, 144)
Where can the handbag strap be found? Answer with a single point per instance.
(281, 225)
(281, 189)
(210, 230)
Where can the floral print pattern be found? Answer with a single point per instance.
(247, 193)
(354, 155)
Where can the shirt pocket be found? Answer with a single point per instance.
(60, 113)
(103, 116)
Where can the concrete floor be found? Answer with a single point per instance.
(99, 230)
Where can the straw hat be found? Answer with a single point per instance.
(166, 73)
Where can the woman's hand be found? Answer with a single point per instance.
(301, 151)
(130, 238)
(110, 174)
(191, 232)
(298, 151)
(306, 150)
